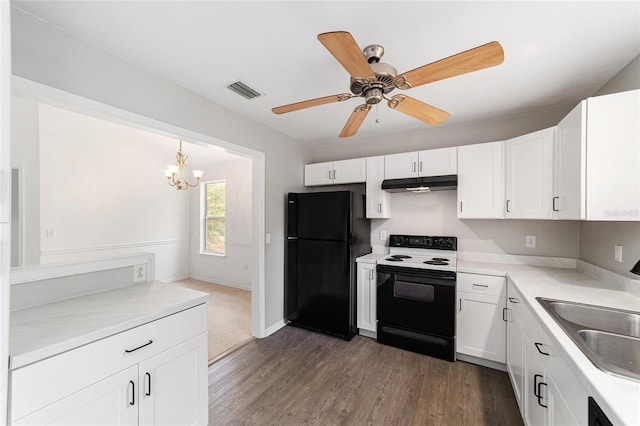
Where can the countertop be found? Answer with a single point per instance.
(618, 397)
(42, 331)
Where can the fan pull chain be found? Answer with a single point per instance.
(377, 119)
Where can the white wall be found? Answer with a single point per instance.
(46, 55)
(435, 214)
(25, 155)
(103, 192)
(232, 269)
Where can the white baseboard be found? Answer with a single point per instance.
(480, 361)
(275, 327)
(221, 282)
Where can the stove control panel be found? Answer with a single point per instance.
(423, 242)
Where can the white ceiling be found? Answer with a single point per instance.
(556, 53)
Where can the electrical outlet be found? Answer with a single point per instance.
(617, 253)
(51, 233)
(140, 273)
(530, 241)
(383, 236)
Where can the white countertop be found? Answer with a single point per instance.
(618, 397)
(46, 330)
(370, 258)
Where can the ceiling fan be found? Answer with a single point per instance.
(373, 80)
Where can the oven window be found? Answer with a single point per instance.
(420, 292)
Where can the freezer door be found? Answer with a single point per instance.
(324, 216)
(325, 290)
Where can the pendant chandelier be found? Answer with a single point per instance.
(175, 173)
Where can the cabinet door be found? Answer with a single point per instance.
(367, 297)
(559, 411)
(536, 388)
(481, 327)
(613, 155)
(481, 181)
(438, 162)
(318, 174)
(529, 170)
(173, 385)
(515, 355)
(403, 165)
(378, 201)
(569, 161)
(350, 171)
(112, 401)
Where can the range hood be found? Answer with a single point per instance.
(421, 184)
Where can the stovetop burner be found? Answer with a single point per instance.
(394, 259)
(440, 259)
(400, 256)
(435, 262)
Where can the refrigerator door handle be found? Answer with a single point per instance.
(292, 238)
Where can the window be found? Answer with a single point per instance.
(213, 229)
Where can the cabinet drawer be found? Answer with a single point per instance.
(482, 284)
(44, 382)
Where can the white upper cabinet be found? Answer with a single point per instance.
(529, 175)
(481, 181)
(431, 162)
(569, 161)
(336, 172)
(318, 174)
(438, 162)
(613, 157)
(403, 165)
(378, 201)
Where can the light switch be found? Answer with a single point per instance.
(383, 235)
(617, 253)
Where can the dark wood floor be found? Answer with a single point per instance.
(297, 377)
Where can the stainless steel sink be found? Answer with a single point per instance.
(609, 337)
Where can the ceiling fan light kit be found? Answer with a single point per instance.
(373, 80)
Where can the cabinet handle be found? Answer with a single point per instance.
(538, 345)
(133, 393)
(371, 274)
(414, 167)
(480, 285)
(421, 167)
(334, 175)
(329, 174)
(553, 204)
(508, 211)
(139, 347)
(504, 314)
(539, 396)
(460, 306)
(513, 300)
(460, 206)
(148, 376)
(379, 207)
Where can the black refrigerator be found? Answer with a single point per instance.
(326, 232)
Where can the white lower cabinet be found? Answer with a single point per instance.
(366, 296)
(533, 361)
(108, 402)
(481, 327)
(154, 374)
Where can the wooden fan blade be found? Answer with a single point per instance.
(310, 103)
(417, 109)
(485, 56)
(355, 120)
(345, 49)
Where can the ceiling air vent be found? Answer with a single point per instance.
(243, 90)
